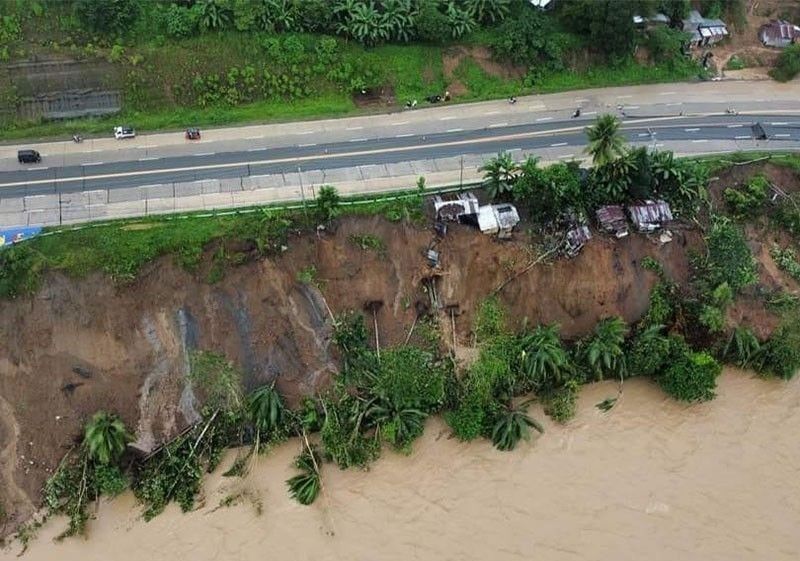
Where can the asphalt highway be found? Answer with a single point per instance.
(383, 146)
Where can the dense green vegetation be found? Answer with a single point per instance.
(788, 65)
(382, 397)
(207, 62)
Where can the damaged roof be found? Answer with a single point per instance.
(650, 214)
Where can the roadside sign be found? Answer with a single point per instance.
(10, 236)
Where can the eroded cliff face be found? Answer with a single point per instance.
(78, 346)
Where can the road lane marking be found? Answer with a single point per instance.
(699, 140)
(782, 135)
(624, 96)
(495, 125)
(632, 107)
(94, 164)
(398, 123)
(735, 126)
(148, 159)
(558, 144)
(582, 100)
(405, 135)
(456, 130)
(491, 112)
(779, 124)
(364, 152)
(204, 154)
(447, 118)
(357, 140)
(36, 169)
(674, 103)
(590, 113)
(353, 128)
(667, 93)
(254, 137)
(644, 134)
(256, 149)
(742, 136)
(566, 156)
(691, 130)
(305, 132)
(307, 145)
(544, 119)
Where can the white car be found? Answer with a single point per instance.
(123, 132)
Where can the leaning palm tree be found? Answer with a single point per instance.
(604, 354)
(499, 176)
(105, 438)
(513, 425)
(606, 142)
(544, 359)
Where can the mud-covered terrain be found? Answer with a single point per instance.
(76, 347)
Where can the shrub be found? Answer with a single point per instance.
(690, 376)
(735, 63)
(180, 22)
(743, 347)
(560, 404)
(529, 39)
(107, 17)
(781, 352)
(409, 377)
(648, 352)
(788, 64)
(747, 201)
(729, 258)
(786, 259)
(787, 215)
(432, 25)
(327, 203)
(490, 321)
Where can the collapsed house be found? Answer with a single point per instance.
(649, 216)
(612, 220)
(779, 34)
(704, 32)
(577, 232)
(497, 219)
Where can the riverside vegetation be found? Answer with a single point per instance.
(211, 62)
(382, 398)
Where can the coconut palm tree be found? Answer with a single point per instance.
(544, 359)
(513, 425)
(604, 354)
(105, 438)
(499, 176)
(606, 142)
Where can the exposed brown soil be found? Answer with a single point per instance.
(80, 346)
(453, 57)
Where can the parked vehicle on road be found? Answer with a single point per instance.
(123, 132)
(193, 133)
(29, 157)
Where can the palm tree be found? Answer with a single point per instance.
(366, 24)
(305, 486)
(400, 425)
(499, 176)
(513, 425)
(606, 142)
(327, 202)
(604, 352)
(105, 438)
(266, 411)
(544, 359)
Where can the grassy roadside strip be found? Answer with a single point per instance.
(480, 86)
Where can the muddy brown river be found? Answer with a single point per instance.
(650, 480)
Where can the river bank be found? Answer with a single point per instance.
(651, 479)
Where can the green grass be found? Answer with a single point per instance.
(157, 85)
(626, 74)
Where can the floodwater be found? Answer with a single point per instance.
(651, 480)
